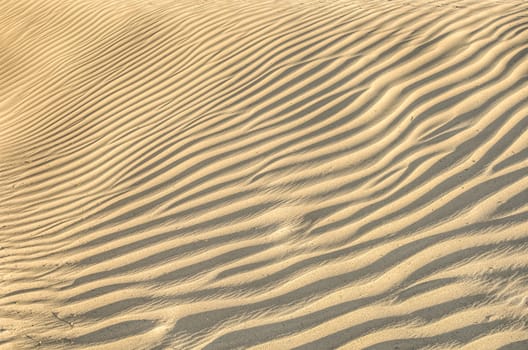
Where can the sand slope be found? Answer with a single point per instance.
(270, 174)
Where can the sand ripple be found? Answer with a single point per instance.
(271, 174)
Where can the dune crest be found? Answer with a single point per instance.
(263, 174)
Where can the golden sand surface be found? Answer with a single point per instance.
(264, 174)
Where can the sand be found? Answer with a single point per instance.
(288, 174)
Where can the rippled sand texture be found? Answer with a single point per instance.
(272, 174)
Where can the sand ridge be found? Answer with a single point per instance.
(263, 174)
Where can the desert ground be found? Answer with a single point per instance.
(264, 174)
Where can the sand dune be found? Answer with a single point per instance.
(288, 174)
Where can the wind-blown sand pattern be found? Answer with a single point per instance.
(263, 174)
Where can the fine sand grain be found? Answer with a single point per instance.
(267, 174)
